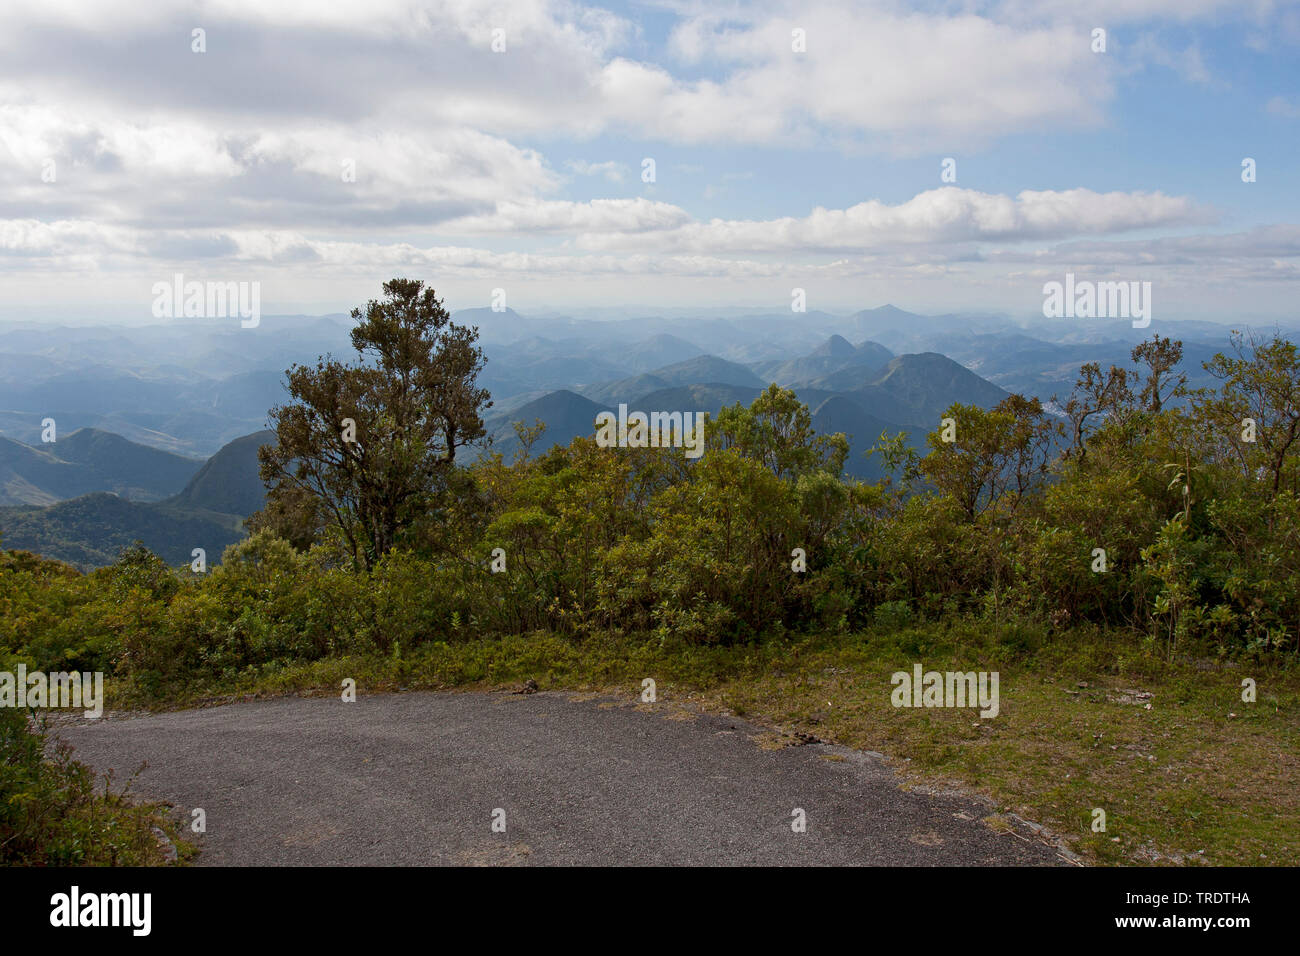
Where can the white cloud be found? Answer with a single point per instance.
(925, 239)
(614, 171)
(945, 215)
(1104, 12)
(165, 171)
(602, 216)
(1261, 243)
(1188, 62)
(895, 80)
(908, 79)
(1281, 106)
(234, 157)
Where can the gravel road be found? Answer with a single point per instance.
(415, 779)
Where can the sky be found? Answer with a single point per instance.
(937, 156)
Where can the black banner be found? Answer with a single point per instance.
(335, 906)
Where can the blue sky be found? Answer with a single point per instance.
(126, 155)
(1165, 129)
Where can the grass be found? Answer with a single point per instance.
(1198, 776)
(55, 812)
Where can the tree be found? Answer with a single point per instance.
(294, 514)
(776, 430)
(1095, 393)
(373, 445)
(1264, 387)
(1159, 384)
(996, 458)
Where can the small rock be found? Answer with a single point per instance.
(166, 845)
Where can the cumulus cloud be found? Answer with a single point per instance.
(944, 215)
(1269, 250)
(1129, 11)
(1264, 242)
(30, 237)
(948, 215)
(870, 71)
(598, 216)
(376, 135)
(874, 73)
(188, 172)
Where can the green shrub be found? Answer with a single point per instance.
(893, 615)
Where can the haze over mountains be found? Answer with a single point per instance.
(859, 390)
(206, 510)
(158, 426)
(88, 460)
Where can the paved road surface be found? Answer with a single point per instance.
(414, 779)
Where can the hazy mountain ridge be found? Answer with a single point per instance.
(229, 482)
(908, 393)
(85, 461)
(189, 386)
(90, 529)
(115, 476)
(836, 354)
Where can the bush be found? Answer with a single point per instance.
(893, 615)
(51, 814)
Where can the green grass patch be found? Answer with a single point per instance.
(54, 812)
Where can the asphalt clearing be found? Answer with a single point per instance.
(549, 778)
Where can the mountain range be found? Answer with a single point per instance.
(90, 529)
(158, 426)
(88, 460)
(861, 390)
(189, 386)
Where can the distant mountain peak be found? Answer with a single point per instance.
(482, 309)
(888, 318)
(88, 460)
(837, 346)
(229, 483)
(708, 369)
(88, 432)
(874, 349)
